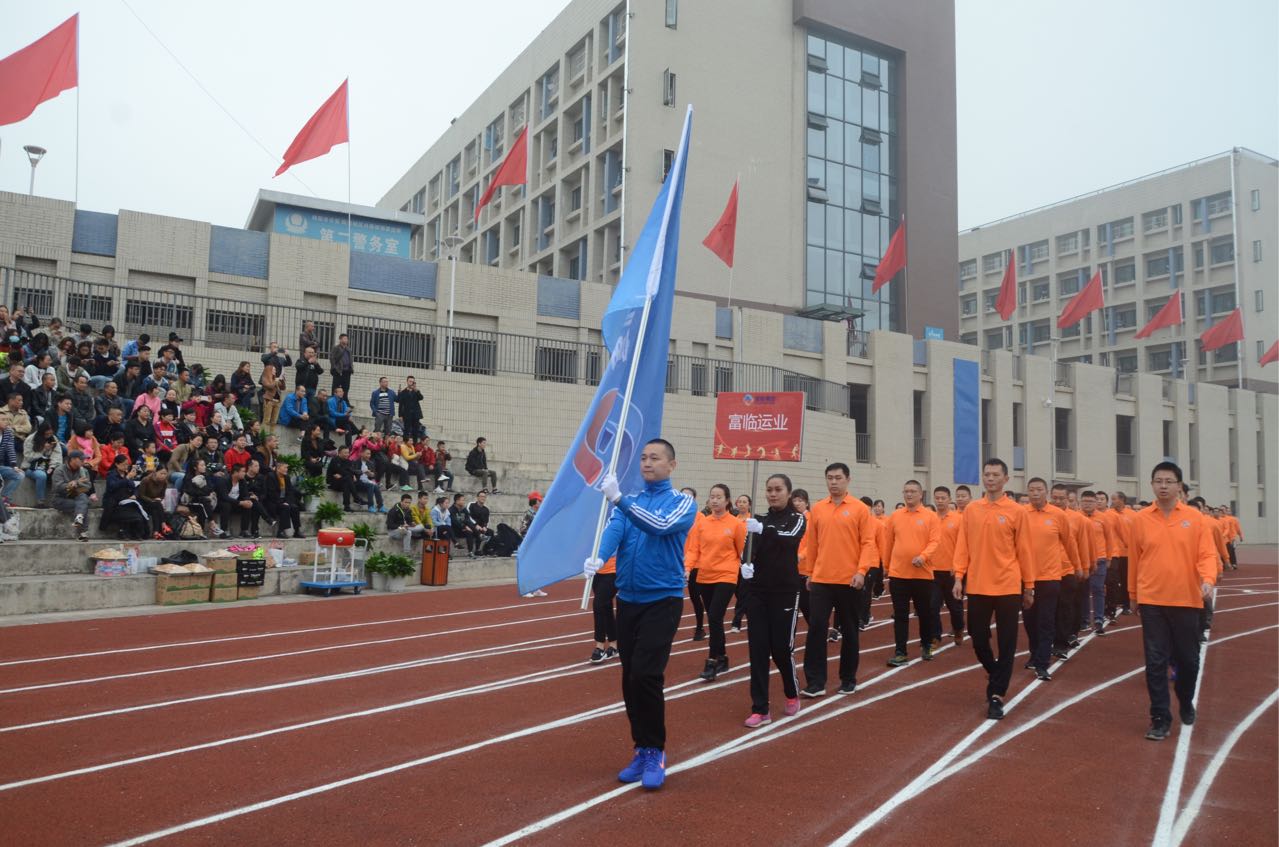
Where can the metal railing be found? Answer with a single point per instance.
(1017, 366)
(987, 450)
(1169, 389)
(921, 452)
(1064, 375)
(1123, 383)
(1065, 460)
(1125, 465)
(864, 453)
(237, 324)
(859, 344)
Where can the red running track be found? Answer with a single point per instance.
(469, 716)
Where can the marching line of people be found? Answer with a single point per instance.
(1056, 561)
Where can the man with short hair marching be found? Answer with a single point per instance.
(911, 536)
(1053, 546)
(993, 553)
(943, 561)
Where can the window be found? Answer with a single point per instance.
(1219, 204)
(1068, 244)
(144, 314)
(1154, 221)
(1223, 251)
(1223, 301)
(969, 338)
(1256, 199)
(1229, 353)
(968, 306)
(1126, 273)
(1176, 214)
(1256, 251)
(548, 91)
(1126, 362)
(1119, 230)
(668, 159)
(992, 262)
(672, 13)
(233, 330)
(1039, 290)
(1159, 360)
(1199, 255)
(90, 307)
(1040, 332)
(990, 298)
(1125, 317)
(1038, 251)
(995, 339)
(668, 88)
(1260, 300)
(1157, 264)
(1068, 283)
(968, 269)
(451, 176)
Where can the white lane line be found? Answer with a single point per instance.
(425, 760)
(171, 644)
(1187, 817)
(1172, 793)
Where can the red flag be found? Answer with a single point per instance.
(1169, 315)
(723, 236)
(327, 128)
(1271, 355)
(1089, 299)
(1007, 302)
(512, 171)
(1224, 332)
(40, 71)
(894, 259)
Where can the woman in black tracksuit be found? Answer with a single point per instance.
(772, 603)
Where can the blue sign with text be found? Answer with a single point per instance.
(934, 333)
(385, 238)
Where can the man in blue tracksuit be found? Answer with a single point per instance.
(647, 532)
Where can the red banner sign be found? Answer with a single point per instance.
(762, 427)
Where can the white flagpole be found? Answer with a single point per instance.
(636, 354)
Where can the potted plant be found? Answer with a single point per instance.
(328, 513)
(364, 537)
(312, 487)
(389, 570)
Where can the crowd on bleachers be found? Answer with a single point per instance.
(183, 454)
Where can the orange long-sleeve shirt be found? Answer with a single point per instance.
(1218, 541)
(688, 542)
(1052, 543)
(993, 549)
(841, 540)
(881, 537)
(1121, 526)
(804, 561)
(1082, 529)
(717, 551)
(947, 534)
(1169, 556)
(909, 533)
(1099, 536)
(1236, 528)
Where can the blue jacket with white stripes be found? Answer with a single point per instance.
(647, 532)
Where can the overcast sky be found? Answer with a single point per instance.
(1055, 98)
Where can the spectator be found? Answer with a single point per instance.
(218, 434)
(463, 524)
(319, 405)
(254, 488)
(109, 398)
(307, 339)
(174, 352)
(340, 414)
(410, 403)
(399, 463)
(56, 331)
(41, 456)
(477, 465)
(149, 460)
(197, 495)
(296, 412)
(113, 346)
(166, 434)
(109, 425)
(150, 493)
(84, 409)
(230, 412)
(340, 476)
(157, 376)
(272, 386)
(534, 503)
(237, 454)
(181, 387)
(85, 441)
(131, 348)
(265, 455)
(309, 371)
(15, 383)
(73, 491)
(283, 503)
(62, 419)
(129, 382)
(19, 420)
(415, 468)
(10, 473)
(138, 432)
(188, 426)
(315, 449)
(120, 507)
(70, 372)
(152, 400)
(366, 483)
(440, 518)
(217, 389)
(382, 405)
(85, 335)
(235, 498)
(170, 405)
(443, 478)
(36, 370)
(36, 346)
(422, 513)
(402, 525)
(180, 458)
(242, 389)
(202, 405)
(479, 513)
(341, 365)
(108, 451)
(102, 365)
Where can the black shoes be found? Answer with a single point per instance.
(1030, 665)
(1061, 654)
(1188, 714)
(597, 656)
(1042, 675)
(847, 688)
(713, 668)
(898, 660)
(1158, 730)
(834, 635)
(699, 634)
(927, 655)
(995, 711)
(813, 691)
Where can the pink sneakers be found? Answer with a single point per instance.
(792, 707)
(756, 720)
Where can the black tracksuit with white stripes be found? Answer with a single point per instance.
(772, 604)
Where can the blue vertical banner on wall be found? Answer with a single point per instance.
(967, 422)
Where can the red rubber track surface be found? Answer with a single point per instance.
(488, 664)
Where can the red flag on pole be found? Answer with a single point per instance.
(1225, 332)
(40, 71)
(1007, 302)
(1089, 299)
(1271, 355)
(327, 128)
(894, 259)
(512, 171)
(722, 238)
(1169, 315)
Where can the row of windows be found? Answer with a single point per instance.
(1221, 300)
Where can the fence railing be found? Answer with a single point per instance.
(1123, 383)
(859, 343)
(245, 325)
(1064, 374)
(1065, 460)
(921, 452)
(1125, 465)
(865, 455)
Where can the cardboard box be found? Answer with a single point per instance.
(249, 592)
(308, 559)
(176, 589)
(224, 594)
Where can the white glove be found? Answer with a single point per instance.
(612, 492)
(591, 567)
(754, 526)
(748, 570)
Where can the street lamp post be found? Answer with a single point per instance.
(451, 244)
(34, 155)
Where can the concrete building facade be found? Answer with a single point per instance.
(1208, 230)
(836, 120)
(525, 359)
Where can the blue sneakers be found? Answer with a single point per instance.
(648, 766)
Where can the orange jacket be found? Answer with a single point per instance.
(1099, 536)
(804, 561)
(909, 533)
(1169, 557)
(1218, 541)
(1082, 529)
(717, 550)
(610, 566)
(1052, 542)
(1119, 526)
(688, 542)
(1236, 528)
(948, 533)
(994, 550)
(841, 540)
(881, 537)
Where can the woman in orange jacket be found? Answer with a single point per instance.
(744, 506)
(604, 587)
(716, 545)
(699, 609)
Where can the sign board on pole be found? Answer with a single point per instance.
(759, 427)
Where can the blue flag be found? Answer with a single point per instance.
(563, 532)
